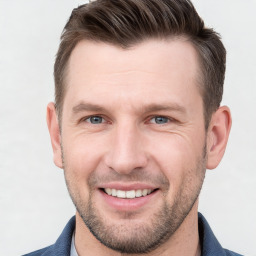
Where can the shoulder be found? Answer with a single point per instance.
(209, 243)
(230, 253)
(62, 245)
(42, 252)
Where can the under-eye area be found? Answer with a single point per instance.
(128, 194)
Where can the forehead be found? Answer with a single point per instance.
(169, 53)
(154, 67)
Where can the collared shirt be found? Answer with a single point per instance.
(209, 244)
(73, 251)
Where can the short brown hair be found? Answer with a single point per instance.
(125, 23)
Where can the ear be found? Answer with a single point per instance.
(54, 130)
(217, 136)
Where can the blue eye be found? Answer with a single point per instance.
(95, 119)
(160, 120)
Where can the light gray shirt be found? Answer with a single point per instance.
(73, 251)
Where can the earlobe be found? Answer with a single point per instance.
(217, 136)
(54, 130)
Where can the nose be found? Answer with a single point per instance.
(126, 151)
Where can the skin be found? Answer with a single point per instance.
(128, 148)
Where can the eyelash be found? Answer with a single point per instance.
(149, 120)
(93, 116)
(167, 119)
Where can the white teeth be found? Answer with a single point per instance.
(120, 194)
(138, 193)
(114, 193)
(149, 191)
(108, 191)
(144, 192)
(128, 194)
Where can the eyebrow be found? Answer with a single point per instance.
(164, 107)
(86, 107)
(83, 106)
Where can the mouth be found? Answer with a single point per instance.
(127, 198)
(130, 194)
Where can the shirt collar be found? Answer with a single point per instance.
(208, 241)
(73, 251)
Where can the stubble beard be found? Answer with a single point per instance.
(138, 238)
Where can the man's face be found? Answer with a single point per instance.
(133, 140)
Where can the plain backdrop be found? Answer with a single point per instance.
(34, 203)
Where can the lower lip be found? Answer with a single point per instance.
(124, 204)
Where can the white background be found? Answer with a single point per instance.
(34, 203)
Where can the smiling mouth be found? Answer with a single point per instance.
(128, 194)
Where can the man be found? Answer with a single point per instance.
(135, 124)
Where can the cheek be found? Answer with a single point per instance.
(82, 155)
(79, 164)
(177, 157)
(175, 149)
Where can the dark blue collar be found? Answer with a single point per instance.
(209, 243)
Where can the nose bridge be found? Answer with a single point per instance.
(126, 149)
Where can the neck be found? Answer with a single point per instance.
(184, 242)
